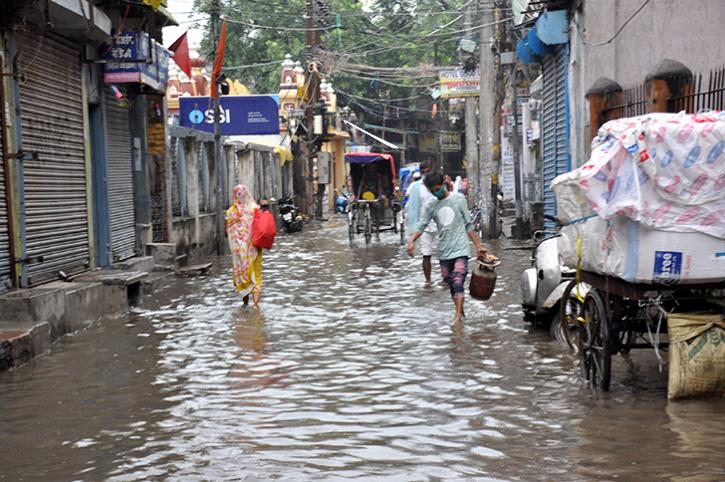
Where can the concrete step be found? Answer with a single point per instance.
(164, 254)
(87, 301)
(21, 342)
(33, 305)
(137, 263)
(129, 282)
(194, 269)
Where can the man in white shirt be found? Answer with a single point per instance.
(418, 200)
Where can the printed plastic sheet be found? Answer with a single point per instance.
(665, 171)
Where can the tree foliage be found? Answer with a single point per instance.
(373, 49)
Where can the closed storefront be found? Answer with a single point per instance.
(4, 225)
(555, 123)
(54, 179)
(120, 178)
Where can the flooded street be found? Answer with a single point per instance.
(351, 371)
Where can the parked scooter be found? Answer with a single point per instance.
(290, 214)
(549, 293)
(341, 202)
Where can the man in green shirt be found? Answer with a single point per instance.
(455, 229)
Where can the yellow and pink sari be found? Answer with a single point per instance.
(246, 259)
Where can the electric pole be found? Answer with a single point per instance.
(487, 114)
(312, 84)
(473, 167)
(215, 25)
(500, 93)
(518, 191)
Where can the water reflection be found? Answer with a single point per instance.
(351, 370)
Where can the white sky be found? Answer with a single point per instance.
(182, 12)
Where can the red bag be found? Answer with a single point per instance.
(264, 229)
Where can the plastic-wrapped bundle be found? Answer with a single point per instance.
(649, 206)
(666, 171)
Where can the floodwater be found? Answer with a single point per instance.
(351, 371)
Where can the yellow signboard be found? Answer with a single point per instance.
(459, 83)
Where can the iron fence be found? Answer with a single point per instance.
(697, 94)
(634, 103)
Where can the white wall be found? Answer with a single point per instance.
(689, 31)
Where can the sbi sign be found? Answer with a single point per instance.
(239, 115)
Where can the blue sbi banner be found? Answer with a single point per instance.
(240, 115)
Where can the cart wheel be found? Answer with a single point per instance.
(595, 345)
(570, 310)
(402, 230)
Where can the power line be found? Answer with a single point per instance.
(623, 25)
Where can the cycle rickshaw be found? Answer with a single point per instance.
(375, 203)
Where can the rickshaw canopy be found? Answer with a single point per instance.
(365, 158)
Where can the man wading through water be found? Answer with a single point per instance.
(419, 198)
(455, 228)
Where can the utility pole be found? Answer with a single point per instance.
(473, 167)
(500, 93)
(312, 83)
(517, 153)
(215, 25)
(487, 111)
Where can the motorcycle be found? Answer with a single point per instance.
(550, 293)
(290, 214)
(341, 202)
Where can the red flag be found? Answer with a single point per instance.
(218, 59)
(181, 54)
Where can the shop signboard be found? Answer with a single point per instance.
(240, 115)
(133, 57)
(450, 141)
(459, 83)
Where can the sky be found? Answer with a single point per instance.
(182, 12)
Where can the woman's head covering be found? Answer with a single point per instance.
(241, 197)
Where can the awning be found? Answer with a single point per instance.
(551, 29)
(370, 134)
(365, 158)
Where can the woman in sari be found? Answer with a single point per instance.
(246, 259)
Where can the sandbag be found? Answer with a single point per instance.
(697, 355)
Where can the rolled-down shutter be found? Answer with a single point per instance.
(120, 179)
(555, 126)
(56, 208)
(4, 230)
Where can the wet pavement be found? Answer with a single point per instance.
(351, 371)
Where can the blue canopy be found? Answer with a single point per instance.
(366, 157)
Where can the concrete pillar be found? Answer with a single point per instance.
(668, 79)
(604, 94)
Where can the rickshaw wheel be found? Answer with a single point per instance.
(595, 344)
(570, 309)
(351, 231)
(368, 228)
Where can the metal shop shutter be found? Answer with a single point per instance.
(555, 142)
(4, 228)
(120, 179)
(56, 209)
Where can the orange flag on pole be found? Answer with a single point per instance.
(218, 59)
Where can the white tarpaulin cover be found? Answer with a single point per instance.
(649, 205)
(665, 171)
